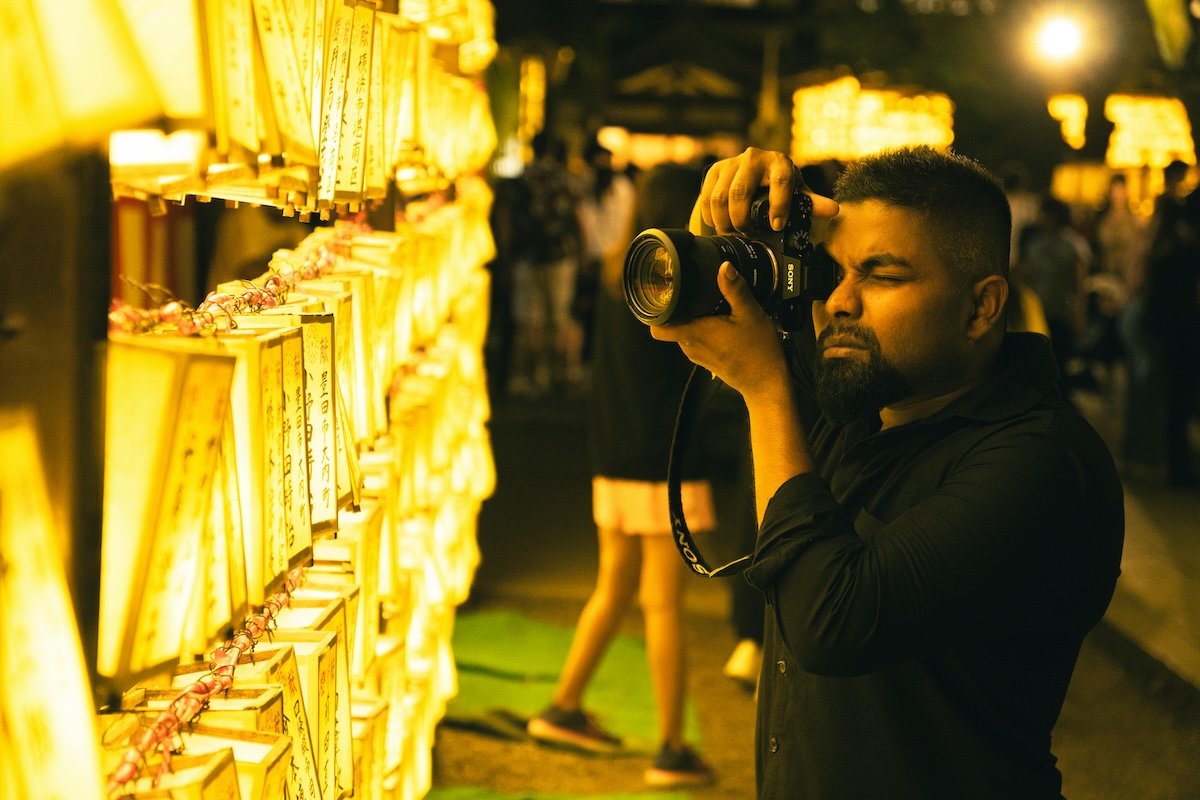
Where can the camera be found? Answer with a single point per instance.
(671, 274)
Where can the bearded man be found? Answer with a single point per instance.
(939, 529)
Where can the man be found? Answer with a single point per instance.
(941, 530)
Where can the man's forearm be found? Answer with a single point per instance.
(777, 440)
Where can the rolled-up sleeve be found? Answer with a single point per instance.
(802, 511)
(852, 593)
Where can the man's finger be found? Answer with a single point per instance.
(782, 180)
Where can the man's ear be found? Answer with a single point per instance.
(990, 297)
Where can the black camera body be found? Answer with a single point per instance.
(670, 274)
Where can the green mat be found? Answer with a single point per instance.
(508, 664)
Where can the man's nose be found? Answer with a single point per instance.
(844, 300)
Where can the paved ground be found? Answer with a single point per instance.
(1128, 730)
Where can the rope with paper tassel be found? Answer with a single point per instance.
(193, 699)
(215, 313)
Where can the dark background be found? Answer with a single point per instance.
(975, 51)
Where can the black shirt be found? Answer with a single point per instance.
(928, 590)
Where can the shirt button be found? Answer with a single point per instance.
(782, 666)
(773, 744)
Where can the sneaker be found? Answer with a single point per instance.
(572, 729)
(744, 663)
(678, 768)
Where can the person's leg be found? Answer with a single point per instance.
(565, 335)
(661, 599)
(747, 606)
(616, 582)
(542, 329)
(526, 328)
(662, 591)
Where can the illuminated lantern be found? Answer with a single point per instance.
(840, 120)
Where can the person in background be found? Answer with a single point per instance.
(1053, 262)
(1142, 445)
(1024, 202)
(1172, 322)
(548, 243)
(938, 529)
(505, 217)
(1168, 204)
(1116, 242)
(636, 388)
(606, 213)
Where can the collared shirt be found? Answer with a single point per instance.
(928, 589)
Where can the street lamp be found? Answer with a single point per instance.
(1059, 39)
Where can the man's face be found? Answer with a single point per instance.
(894, 330)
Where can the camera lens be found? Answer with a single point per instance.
(671, 275)
(650, 276)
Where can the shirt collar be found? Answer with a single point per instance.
(1026, 373)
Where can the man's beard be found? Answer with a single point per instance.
(848, 388)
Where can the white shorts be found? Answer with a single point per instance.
(639, 508)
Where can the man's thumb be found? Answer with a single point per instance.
(735, 290)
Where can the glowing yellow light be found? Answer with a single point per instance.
(1059, 39)
(1071, 112)
(1148, 131)
(533, 98)
(841, 120)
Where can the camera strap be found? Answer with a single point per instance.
(696, 394)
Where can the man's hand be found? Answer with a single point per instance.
(731, 185)
(742, 348)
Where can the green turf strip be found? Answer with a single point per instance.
(507, 666)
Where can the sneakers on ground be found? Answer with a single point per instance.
(572, 729)
(744, 663)
(673, 768)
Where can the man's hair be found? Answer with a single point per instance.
(967, 214)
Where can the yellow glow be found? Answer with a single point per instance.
(531, 114)
(644, 150)
(1059, 39)
(68, 83)
(48, 746)
(166, 34)
(1148, 131)
(148, 153)
(1079, 183)
(1071, 112)
(841, 120)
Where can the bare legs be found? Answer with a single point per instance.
(662, 607)
(625, 563)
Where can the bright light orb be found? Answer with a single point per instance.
(1059, 39)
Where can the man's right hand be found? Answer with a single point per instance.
(730, 185)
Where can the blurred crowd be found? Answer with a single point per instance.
(1118, 293)
(554, 225)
